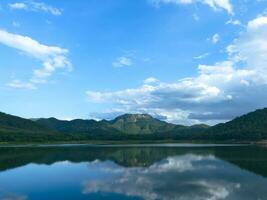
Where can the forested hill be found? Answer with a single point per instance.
(252, 126)
(13, 123)
(16, 129)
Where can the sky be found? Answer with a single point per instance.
(182, 61)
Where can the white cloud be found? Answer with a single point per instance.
(219, 92)
(214, 4)
(18, 6)
(257, 22)
(122, 61)
(234, 22)
(150, 80)
(51, 57)
(35, 7)
(201, 56)
(20, 85)
(215, 38)
(178, 164)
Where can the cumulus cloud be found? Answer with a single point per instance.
(35, 7)
(214, 4)
(51, 57)
(220, 92)
(257, 22)
(122, 62)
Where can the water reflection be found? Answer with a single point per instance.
(11, 196)
(187, 177)
(206, 173)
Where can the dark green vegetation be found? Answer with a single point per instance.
(252, 126)
(16, 129)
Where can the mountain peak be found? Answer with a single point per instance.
(133, 117)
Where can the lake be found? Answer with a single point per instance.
(182, 172)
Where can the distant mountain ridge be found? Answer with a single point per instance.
(124, 124)
(252, 126)
(73, 126)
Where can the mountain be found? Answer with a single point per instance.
(127, 124)
(124, 124)
(140, 124)
(14, 128)
(252, 126)
(249, 126)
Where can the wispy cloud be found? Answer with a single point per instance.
(35, 7)
(234, 22)
(214, 4)
(215, 38)
(150, 80)
(51, 57)
(201, 56)
(20, 85)
(122, 62)
(15, 24)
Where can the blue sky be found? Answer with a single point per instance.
(184, 61)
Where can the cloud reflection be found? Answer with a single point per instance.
(187, 177)
(12, 196)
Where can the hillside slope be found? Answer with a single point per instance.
(249, 126)
(14, 128)
(77, 126)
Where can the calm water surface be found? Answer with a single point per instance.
(135, 172)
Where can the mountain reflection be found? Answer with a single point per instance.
(250, 158)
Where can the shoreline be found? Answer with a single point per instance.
(133, 143)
